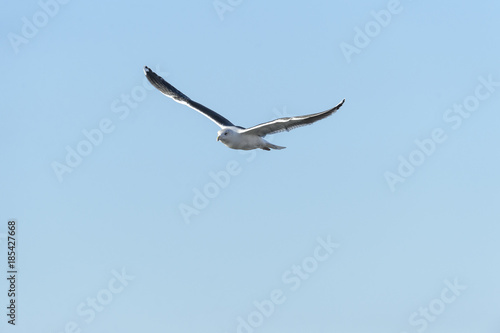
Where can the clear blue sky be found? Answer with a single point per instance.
(132, 218)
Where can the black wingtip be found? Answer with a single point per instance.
(147, 70)
(340, 104)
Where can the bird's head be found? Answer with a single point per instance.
(224, 135)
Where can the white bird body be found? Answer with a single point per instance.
(237, 137)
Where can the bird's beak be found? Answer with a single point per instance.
(218, 136)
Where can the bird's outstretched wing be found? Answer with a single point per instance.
(168, 90)
(289, 123)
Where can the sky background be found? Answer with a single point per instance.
(191, 262)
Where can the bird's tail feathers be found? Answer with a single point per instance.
(270, 145)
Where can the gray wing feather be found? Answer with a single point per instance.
(289, 123)
(168, 90)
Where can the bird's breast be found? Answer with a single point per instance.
(244, 141)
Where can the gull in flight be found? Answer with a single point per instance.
(237, 137)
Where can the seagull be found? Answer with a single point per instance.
(237, 137)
